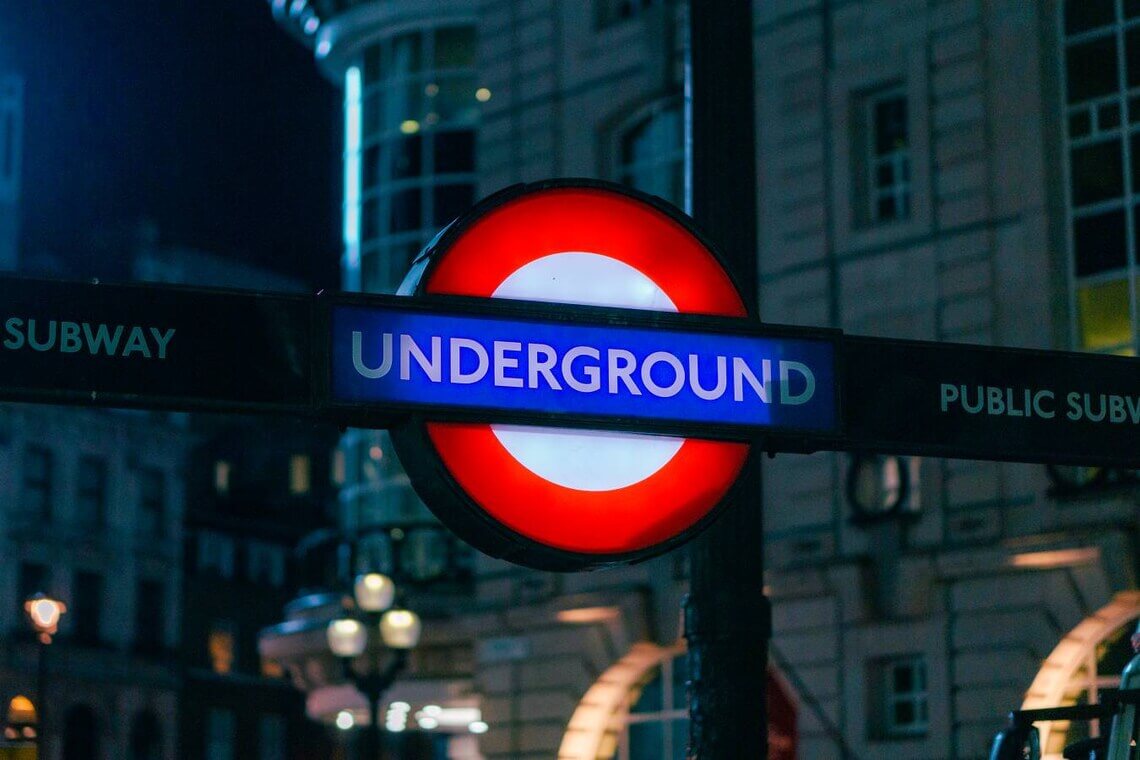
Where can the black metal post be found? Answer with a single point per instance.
(41, 700)
(372, 746)
(727, 619)
(373, 685)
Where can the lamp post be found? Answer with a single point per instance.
(44, 614)
(399, 630)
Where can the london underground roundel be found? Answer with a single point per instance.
(559, 498)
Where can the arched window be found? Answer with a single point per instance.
(1102, 115)
(1084, 667)
(651, 152)
(657, 727)
(146, 737)
(637, 709)
(80, 734)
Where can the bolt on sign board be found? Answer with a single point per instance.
(566, 497)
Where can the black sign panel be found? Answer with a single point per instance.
(154, 346)
(972, 402)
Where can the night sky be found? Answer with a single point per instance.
(202, 116)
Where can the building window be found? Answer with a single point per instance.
(299, 475)
(32, 579)
(657, 727)
(222, 477)
(87, 607)
(266, 563)
(146, 737)
(614, 11)
(410, 112)
(150, 617)
(215, 554)
(272, 669)
(81, 734)
(220, 646)
(11, 107)
(652, 153)
(91, 492)
(271, 738)
(152, 501)
(220, 728)
(902, 697)
(37, 483)
(1103, 152)
(884, 153)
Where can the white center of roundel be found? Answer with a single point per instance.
(586, 460)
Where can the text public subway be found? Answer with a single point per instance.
(1074, 406)
(582, 369)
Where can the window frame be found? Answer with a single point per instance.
(669, 714)
(86, 608)
(909, 70)
(152, 503)
(1125, 99)
(216, 553)
(382, 249)
(673, 158)
(898, 159)
(885, 726)
(152, 621)
(91, 495)
(44, 506)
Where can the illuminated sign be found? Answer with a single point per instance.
(569, 375)
(643, 377)
(555, 497)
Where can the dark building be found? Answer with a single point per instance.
(255, 487)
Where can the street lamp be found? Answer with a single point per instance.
(44, 614)
(399, 629)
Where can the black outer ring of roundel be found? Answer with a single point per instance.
(431, 479)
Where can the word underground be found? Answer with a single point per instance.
(1023, 402)
(93, 338)
(583, 369)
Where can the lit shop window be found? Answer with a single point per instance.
(220, 647)
(1102, 105)
(299, 475)
(222, 472)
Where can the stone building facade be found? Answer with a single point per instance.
(93, 505)
(952, 170)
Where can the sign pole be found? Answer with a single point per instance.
(727, 619)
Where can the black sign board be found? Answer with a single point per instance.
(154, 346)
(214, 350)
(973, 402)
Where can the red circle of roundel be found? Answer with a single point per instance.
(555, 220)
